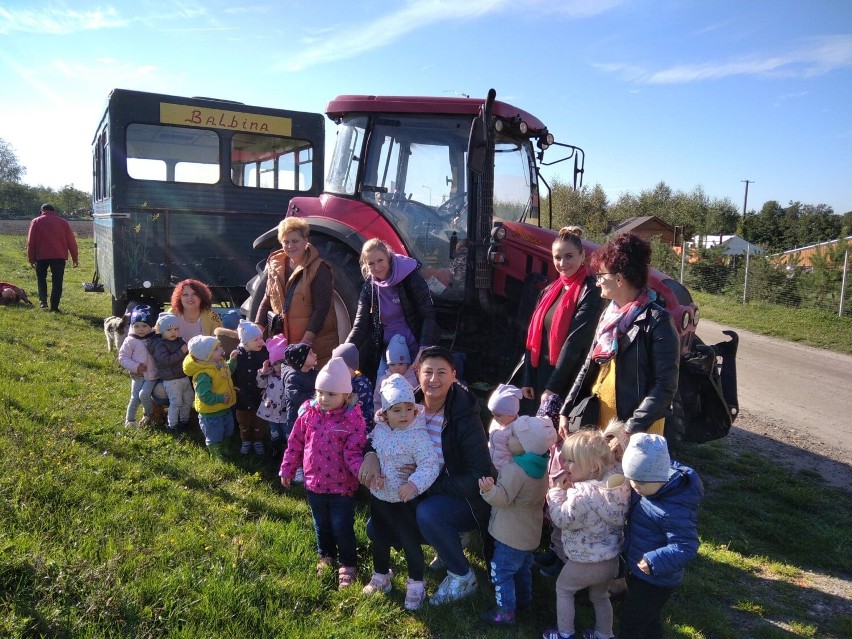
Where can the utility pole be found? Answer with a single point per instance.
(745, 203)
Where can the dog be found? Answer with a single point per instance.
(115, 329)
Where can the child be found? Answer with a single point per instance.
(328, 439)
(245, 362)
(616, 438)
(169, 350)
(504, 404)
(273, 405)
(214, 392)
(135, 357)
(399, 438)
(398, 360)
(361, 386)
(591, 516)
(516, 515)
(661, 536)
(299, 378)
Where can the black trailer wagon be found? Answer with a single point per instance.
(183, 186)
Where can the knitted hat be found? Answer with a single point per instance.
(230, 318)
(397, 352)
(295, 355)
(505, 400)
(536, 434)
(615, 428)
(349, 354)
(166, 321)
(201, 347)
(396, 390)
(335, 377)
(646, 458)
(277, 346)
(143, 313)
(248, 331)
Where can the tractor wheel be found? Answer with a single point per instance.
(675, 427)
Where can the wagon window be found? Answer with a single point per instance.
(268, 162)
(172, 154)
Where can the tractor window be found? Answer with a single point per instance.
(172, 154)
(515, 198)
(343, 171)
(415, 175)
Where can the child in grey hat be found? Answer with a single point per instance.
(661, 536)
(400, 438)
(169, 349)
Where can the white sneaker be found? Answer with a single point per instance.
(245, 448)
(378, 583)
(454, 587)
(300, 476)
(415, 594)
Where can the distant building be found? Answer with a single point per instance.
(802, 256)
(647, 227)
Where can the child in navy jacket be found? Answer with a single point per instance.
(661, 535)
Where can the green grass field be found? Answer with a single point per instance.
(108, 532)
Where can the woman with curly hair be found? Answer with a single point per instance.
(192, 304)
(632, 366)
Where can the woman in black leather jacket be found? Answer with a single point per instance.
(632, 366)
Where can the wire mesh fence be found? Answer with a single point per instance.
(823, 283)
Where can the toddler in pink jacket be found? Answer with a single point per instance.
(135, 357)
(328, 442)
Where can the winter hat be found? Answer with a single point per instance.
(615, 428)
(277, 347)
(505, 400)
(646, 458)
(396, 390)
(349, 354)
(334, 377)
(295, 355)
(143, 313)
(535, 433)
(397, 352)
(201, 347)
(230, 318)
(248, 331)
(166, 321)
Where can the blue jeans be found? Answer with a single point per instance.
(180, 399)
(511, 574)
(278, 432)
(216, 429)
(334, 526)
(441, 519)
(140, 393)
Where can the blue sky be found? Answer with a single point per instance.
(688, 92)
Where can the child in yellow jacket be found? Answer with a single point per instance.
(214, 391)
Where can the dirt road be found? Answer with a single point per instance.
(795, 403)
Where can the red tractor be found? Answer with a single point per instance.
(454, 182)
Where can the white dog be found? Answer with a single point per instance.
(115, 329)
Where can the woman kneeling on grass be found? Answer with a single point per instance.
(453, 504)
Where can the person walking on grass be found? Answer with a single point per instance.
(49, 242)
(328, 442)
(214, 392)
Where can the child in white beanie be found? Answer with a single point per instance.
(589, 505)
(245, 362)
(214, 392)
(504, 404)
(661, 536)
(516, 502)
(400, 438)
(169, 349)
(398, 360)
(135, 357)
(328, 441)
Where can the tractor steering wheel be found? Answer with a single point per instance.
(453, 207)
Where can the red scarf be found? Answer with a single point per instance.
(615, 322)
(562, 316)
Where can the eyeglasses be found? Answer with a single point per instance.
(599, 276)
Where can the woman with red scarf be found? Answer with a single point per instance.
(633, 364)
(563, 323)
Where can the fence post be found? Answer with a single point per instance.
(745, 279)
(682, 259)
(843, 282)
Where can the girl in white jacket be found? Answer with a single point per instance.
(588, 503)
(137, 359)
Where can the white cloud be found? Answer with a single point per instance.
(58, 20)
(348, 40)
(816, 56)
